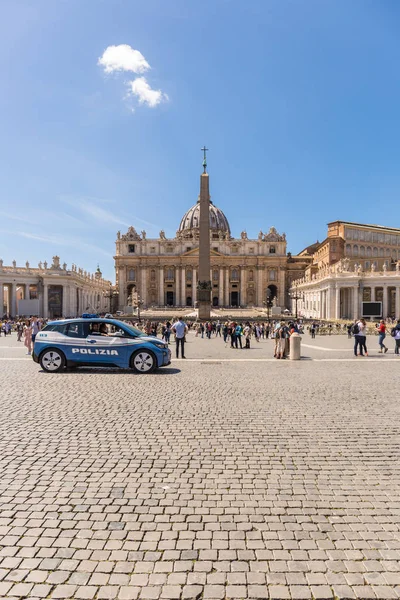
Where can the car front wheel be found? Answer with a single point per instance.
(143, 361)
(52, 361)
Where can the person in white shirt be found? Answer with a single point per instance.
(180, 329)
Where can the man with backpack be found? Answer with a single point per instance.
(395, 333)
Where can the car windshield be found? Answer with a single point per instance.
(133, 330)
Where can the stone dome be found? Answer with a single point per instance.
(191, 220)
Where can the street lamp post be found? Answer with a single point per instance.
(268, 302)
(296, 296)
(111, 295)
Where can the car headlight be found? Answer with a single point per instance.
(159, 344)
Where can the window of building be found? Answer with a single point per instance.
(355, 250)
(153, 250)
(131, 275)
(362, 251)
(235, 275)
(272, 274)
(375, 251)
(189, 275)
(272, 250)
(152, 275)
(251, 275)
(170, 274)
(188, 248)
(348, 250)
(367, 265)
(169, 249)
(215, 275)
(131, 248)
(215, 248)
(251, 250)
(235, 249)
(369, 251)
(387, 263)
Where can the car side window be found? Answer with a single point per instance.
(77, 330)
(115, 331)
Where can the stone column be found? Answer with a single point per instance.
(385, 302)
(194, 285)
(13, 299)
(397, 303)
(281, 288)
(372, 293)
(337, 302)
(356, 303)
(1, 299)
(221, 287)
(242, 287)
(143, 287)
(121, 288)
(45, 300)
(65, 302)
(227, 299)
(183, 286)
(177, 286)
(259, 275)
(161, 299)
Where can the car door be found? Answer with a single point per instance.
(107, 349)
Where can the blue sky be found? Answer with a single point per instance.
(298, 102)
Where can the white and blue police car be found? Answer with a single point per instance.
(96, 342)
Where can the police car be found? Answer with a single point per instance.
(88, 342)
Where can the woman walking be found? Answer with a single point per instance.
(362, 335)
(382, 335)
(28, 337)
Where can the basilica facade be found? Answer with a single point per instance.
(164, 271)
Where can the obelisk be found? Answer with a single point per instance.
(204, 283)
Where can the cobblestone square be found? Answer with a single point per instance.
(228, 475)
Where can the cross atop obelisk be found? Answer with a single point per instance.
(204, 284)
(204, 150)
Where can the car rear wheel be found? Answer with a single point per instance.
(52, 361)
(143, 361)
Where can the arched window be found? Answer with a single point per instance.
(152, 275)
(251, 275)
(348, 250)
(131, 275)
(189, 275)
(362, 251)
(375, 251)
(272, 274)
(369, 251)
(215, 276)
(387, 251)
(170, 274)
(235, 275)
(355, 250)
(272, 250)
(381, 252)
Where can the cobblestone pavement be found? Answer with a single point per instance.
(213, 480)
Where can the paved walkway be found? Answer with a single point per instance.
(211, 479)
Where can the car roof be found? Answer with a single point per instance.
(89, 320)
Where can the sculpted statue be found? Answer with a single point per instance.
(359, 269)
(1, 263)
(27, 264)
(14, 263)
(346, 265)
(40, 265)
(143, 234)
(65, 266)
(118, 235)
(397, 266)
(221, 235)
(45, 264)
(243, 235)
(260, 236)
(162, 235)
(373, 268)
(384, 267)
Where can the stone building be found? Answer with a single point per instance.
(52, 290)
(355, 263)
(244, 272)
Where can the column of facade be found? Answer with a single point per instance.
(161, 299)
(242, 287)
(356, 304)
(397, 303)
(143, 285)
(227, 299)
(1, 299)
(45, 300)
(13, 299)
(385, 302)
(281, 289)
(260, 273)
(337, 302)
(221, 287)
(183, 286)
(194, 285)
(177, 298)
(373, 293)
(72, 301)
(65, 301)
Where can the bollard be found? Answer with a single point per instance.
(295, 346)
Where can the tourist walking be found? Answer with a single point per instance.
(360, 333)
(180, 330)
(247, 335)
(239, 332)
(28, 337)
(382, 335)
(20, 330)
(281, 335)
(395, 333)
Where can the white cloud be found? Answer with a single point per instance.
(145, 94)
(123, 58)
